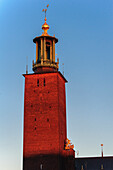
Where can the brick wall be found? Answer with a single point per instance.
(44, 114)
(45, 122)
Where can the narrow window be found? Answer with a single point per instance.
(38, 82)
(47, 120)
(35, 128)
(35, 119)
(44, 82)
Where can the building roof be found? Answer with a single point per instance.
(94, 163)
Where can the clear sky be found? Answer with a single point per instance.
(85, 32)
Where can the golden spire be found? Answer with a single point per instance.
(45, 26)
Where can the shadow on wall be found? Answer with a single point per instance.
(49, 162)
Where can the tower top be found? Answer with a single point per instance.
(45, 26)
(45, 51)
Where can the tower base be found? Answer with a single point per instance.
(50, 161)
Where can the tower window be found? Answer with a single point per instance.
(47, 120)
(38, 82)
(35, 119)
(35, 128)
(44, 82)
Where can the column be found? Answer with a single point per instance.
(42, 51)
(53, 50)
(51, 54)
(45, 49)
(36, 51)
(41, 47)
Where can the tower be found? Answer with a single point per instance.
(45, 135)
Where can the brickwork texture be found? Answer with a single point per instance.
(45, 123)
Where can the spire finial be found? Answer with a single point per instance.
(45, 26)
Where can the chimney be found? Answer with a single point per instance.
(102, 149)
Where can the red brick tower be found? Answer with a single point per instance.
(45, 135)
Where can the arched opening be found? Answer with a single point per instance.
(48, 50)
(39, 53)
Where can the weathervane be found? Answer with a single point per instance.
(45, 26)
(45, 10)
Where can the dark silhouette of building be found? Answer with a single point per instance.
(94, 163)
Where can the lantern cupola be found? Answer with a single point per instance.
(45, 51)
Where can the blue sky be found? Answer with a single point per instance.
(85, 33)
